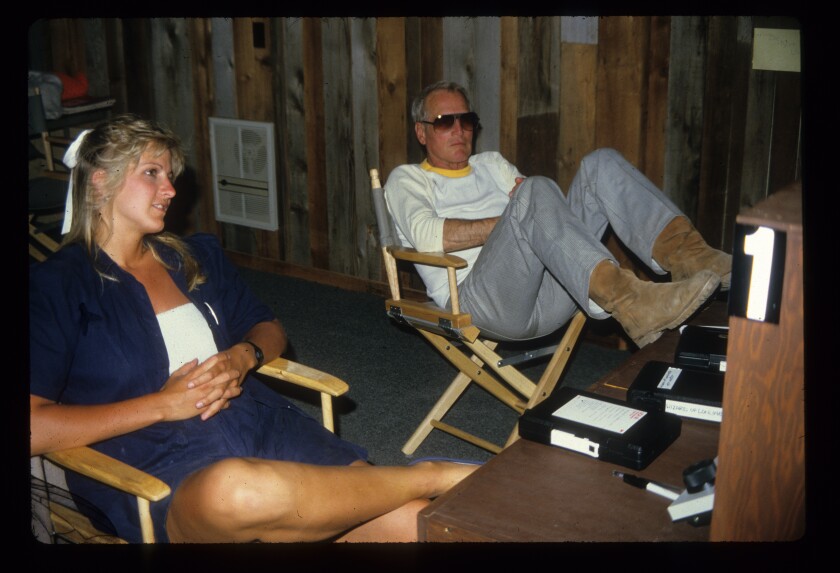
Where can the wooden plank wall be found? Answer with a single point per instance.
(677, 95)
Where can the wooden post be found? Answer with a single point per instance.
(760, 484)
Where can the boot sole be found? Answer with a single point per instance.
(712, 283)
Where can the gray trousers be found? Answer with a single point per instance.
(533, 272)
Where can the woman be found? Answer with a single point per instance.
(140, 346)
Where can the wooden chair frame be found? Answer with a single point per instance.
(441, 327)
(38, 125)
(48, 187)
(147, 488)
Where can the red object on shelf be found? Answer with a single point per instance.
(74, 86)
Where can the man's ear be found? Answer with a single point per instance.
(420, 132)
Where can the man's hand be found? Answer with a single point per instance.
(519, 181)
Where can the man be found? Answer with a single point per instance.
(535, 255)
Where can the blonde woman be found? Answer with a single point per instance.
(141, 347)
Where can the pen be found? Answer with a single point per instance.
(667, 491)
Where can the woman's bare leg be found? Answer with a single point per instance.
(247, 499)
(398, 526)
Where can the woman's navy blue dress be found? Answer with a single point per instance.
(97, 341)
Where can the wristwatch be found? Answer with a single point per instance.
(257, 352)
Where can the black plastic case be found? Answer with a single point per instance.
(611, 430)
(702, 347)
(686, 392)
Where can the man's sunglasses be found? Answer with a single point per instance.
(469, 121)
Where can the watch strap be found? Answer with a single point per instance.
(258, 353)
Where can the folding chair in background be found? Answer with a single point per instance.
(451, 330)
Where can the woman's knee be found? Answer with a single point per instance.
(234, 491)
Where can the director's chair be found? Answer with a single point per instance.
(451, 330)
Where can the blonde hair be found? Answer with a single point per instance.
(115, 147)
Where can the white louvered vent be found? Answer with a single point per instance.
(244, 176)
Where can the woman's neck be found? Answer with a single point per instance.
(127, 253)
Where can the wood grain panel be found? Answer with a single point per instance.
(391, 85)
(395, 128)
(96, 54)
(578, 84)
(685, 111)
(137, 37)
(313, 84)
(415, 55)
(115, 65)
(652, 162)
(431, 50)
(255, 102)
(508, 86)
(758, 135)
(722, 104)
(622, 84)
(338, 143)
(760, 484)
(292, 150)
(368, 258)
(199, 32)
(68, 45)
(252, 51)
(785, 162)
(727, 212)
(539, 94)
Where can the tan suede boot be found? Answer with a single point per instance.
(643, 308)
(681, 250)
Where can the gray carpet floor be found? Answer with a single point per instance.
(395, 375)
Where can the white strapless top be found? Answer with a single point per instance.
(186, 335)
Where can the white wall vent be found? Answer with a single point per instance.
(244, 176)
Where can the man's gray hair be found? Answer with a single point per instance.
(418, 106)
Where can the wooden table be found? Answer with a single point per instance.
(533, 492)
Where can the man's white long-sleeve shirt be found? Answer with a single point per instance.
(420, 197)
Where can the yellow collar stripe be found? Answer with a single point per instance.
(446, 172)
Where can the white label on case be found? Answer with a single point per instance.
(670, 378)
(600, 414)
(575, 443)
(699, 411)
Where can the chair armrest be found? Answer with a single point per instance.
(450, 262)
(304, 376)
(110, 471)
(436, 259)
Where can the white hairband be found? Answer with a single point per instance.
(71, 158)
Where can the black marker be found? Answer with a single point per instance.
(654, 487)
